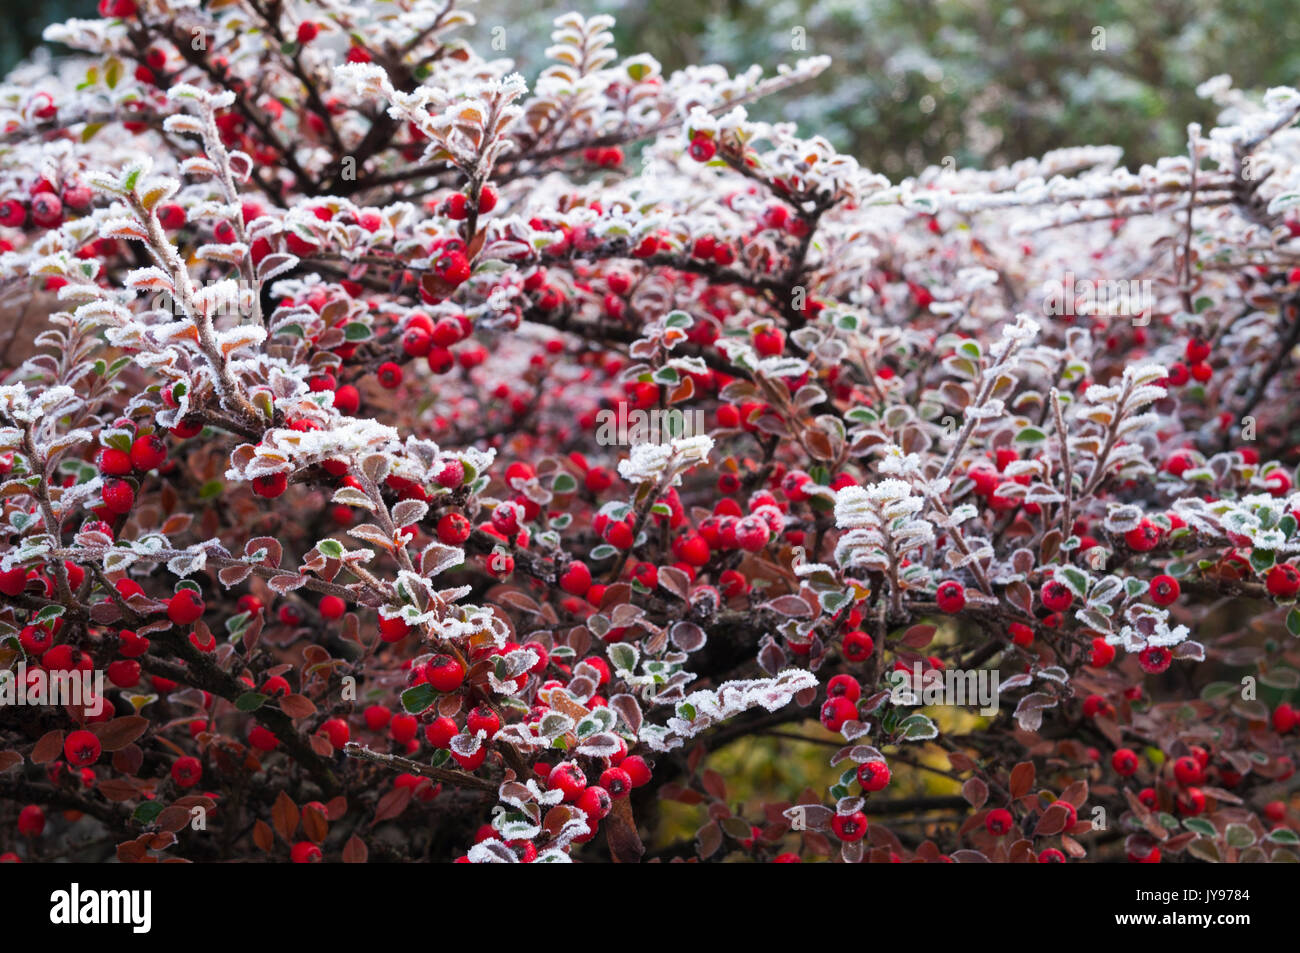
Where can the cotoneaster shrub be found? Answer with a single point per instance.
(312, 458)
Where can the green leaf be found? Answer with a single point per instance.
(49, 614)
(1293, 622)
(917, 728)
(603, 551)
(1284, 836)
(1239, 835)
(1072, 579)
(1218, 690)
(356, 331)
(1201, 826)
(148, 812)
(250, 701)
(1030, 435)
(330, 548)
(419, 698)
(564, 483)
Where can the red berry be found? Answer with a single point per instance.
(185, 607)
(752, 534)
(124, 672)
(332, 607)
(483, 718)
(262, 738)
(619, 534)
(1020, 633)
(1283, 581)
(1164, 590)
(81, 748)
(1103, 653)
(393, 630)
(377, 718)
(31, 821)
(148, 453)
(1285, 718)
(769, 343)
(1188, 771)
(998, 821)
(118, 495)
(567, 778)
(305, 852)
(270, 485)
(850, 827)
(1055, 596)
(336, 729)
(1155, 659)
(1144, 537)
(836, 711)
(453, 529)
(445, 673)
(858, 646)
(576, 580)
(47, 210)
(845, 686)
(307, 31)
(113, 462)
(403, 728)
(702, 148)
(637, 770)
(12, 213)
(440, 731)
(187, 771)
(873, 775)
(1125, 762)
(950, 596)
(595, 802)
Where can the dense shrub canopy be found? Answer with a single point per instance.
(431, 477)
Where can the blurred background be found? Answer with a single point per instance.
(983, 81)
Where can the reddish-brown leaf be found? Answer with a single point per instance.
(173, 818)
(314, 824)
(710, 837)
(714, 784)
(391, 805)
(262, 836)
(128, 760)
(355, 851)
(1076, 793)
(297, 706)
(118, 789)
(976, 792)
(621, 835)
(49, 747)
(1053, 821)
(336, 807)
(9, 759)
(117, 734)
(284, 816)
(1022, 779)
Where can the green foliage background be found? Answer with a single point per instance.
(1004, 79)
